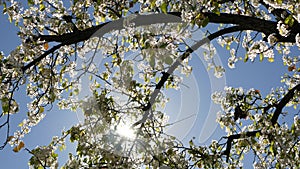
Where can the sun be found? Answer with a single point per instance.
(125, 130)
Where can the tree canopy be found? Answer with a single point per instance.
(129, 52)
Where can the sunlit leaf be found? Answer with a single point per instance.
(289, 21)
(152, 62)
(168, 60)
(30, 2)
(205, 22)
(42, 109)
(152, 5)
(164, 7)
(42, 7)
(271, 60)
(261, 57)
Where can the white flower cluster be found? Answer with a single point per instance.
(233, 59)
(283, 29)
(209, 54)
(255, 3)
(272, 39)
(260, 47)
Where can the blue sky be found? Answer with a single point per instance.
(258, 75)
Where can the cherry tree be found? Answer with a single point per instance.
(142, 43)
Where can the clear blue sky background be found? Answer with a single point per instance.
(262, 76)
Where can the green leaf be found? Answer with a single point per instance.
(76, 91)
(164, 45)
(293, 128)
(261, 57)
(62, 147)
(164, 7)
(205, 22)
(289, 21)
(30, 2)
(54, 155)
(5, 105)
(114, 56)
(152, 5)
(279, 1)
(4, 8)
(191, 143)
(9, 18)
(152, 62)
(168, 60)
(272, 147)
(3, 77)
(271, 60)
(42, 7)
(227, 47)
(277, 166)
(42, 109)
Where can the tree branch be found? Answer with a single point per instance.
(38, 59)
(283, 103)
(246, 22)
(170, 71)
(274, 119)
(234, 137)
(251, 23)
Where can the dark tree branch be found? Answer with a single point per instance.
(246, 22)
(30, 152)
(234, 137)
(170, 71)
(38, 59)
(251, 23)
(73, 37)
(283, 103)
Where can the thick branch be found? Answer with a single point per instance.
(251, 23)
(246, 22)
(74, 37)
(100, 30)
(283, 103)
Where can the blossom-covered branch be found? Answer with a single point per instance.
(283, 102)
(246, 22)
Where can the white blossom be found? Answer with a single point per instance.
(283, 29)
(298, 40)
(272, 39)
